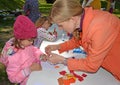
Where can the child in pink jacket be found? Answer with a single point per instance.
(19, 55)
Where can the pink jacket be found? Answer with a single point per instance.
(101, 41)
(18, 62)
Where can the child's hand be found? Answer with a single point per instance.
(55, 58)
(35, 67)
(55, 32)
(50, 48)
(50, 33)
(43, 57)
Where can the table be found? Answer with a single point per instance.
(50, 74)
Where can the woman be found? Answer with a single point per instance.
(99, 35)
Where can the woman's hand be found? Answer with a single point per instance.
(35, 67)
(55, 58)
(50, 48)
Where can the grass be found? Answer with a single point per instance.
(6, 33)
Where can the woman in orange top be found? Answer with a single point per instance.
(99, 35)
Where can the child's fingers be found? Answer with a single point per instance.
(55, 30)
(50, 33)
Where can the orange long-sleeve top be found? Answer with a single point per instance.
(101, 41)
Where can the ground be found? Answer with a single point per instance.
(5, 34)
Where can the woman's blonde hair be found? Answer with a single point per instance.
(63, 10)
(40, 21)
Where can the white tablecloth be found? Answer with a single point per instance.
(50, 74)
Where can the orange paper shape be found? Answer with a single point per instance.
(60, 81)
(66, 80)
(57, 66)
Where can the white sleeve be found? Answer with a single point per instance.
(45, 34)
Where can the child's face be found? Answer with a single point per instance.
(46, 25)
(26, 42)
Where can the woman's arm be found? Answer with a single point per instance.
(100, 44)
(68, 45)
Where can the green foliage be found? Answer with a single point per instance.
(18, 4)
(42, 1)
(3, 75)
(45, 8)
(11, 4)
(117, 5)
(103, 4)
(15, 4)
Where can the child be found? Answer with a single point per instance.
(19, 55)
(112, 6)
(31, 9)
(43, 25)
